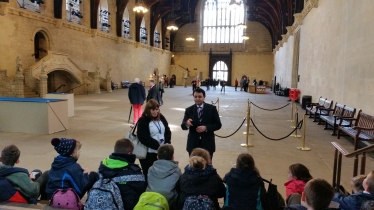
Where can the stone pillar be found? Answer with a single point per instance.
(97, 82)
(108, 82)
(19, 85)
(43, 84)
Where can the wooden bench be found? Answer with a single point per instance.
(362, 130)
(340, 111)
(312, 107)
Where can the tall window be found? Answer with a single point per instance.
(220, 71)
(221, 22)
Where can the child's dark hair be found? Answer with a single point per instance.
(123, 146)
(246, 162)
(318, 193)
(10, 155)
(165, 152)
(357, 183)
(301, 172)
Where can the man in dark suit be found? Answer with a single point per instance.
(201, 119)
(153, 93)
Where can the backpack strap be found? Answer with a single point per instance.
(12, 170)
(128, 178)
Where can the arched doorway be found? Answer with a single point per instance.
(220, 66)
(220, 71)
(61, 81)
(41, 45)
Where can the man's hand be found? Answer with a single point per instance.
(201, 129)
(189, 122)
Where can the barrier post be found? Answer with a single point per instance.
(292, 117)
(247, 144)
(296, 121)
(248, 119)
(303, 148)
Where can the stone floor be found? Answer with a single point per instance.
(101, 119)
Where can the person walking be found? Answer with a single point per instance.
(201, 119)
(236, 84)
(223, 84)
(136, 96)
(153, 93)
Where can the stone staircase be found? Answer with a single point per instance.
(30, 93)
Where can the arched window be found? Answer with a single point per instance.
(220, 71)
(104, 16)
(157, 35)
(143, 33)
(126, 24)
(73, 11)
(217, 14)
(33, 6)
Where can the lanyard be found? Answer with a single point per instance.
(158, 127)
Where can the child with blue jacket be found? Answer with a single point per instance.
(66, 172)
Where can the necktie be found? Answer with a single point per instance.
(200, 112)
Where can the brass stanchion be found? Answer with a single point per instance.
(296, 121)
(303, 148)
(248, 133)
(292, 119)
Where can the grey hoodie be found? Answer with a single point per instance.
(163, 176)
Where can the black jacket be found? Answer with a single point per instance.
(153, 93)
(244, 189)
(204, 182)
(210, 119)
(123, 165)
(144, 134)
(136, 93)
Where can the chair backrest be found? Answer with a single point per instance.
(328, 104)
(321, 101)
(349, 111)
(365, 120)
(338, 109)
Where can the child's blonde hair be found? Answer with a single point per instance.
(197, 163)
(78, 146)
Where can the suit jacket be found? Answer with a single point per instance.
(210, 119)
(153, 93)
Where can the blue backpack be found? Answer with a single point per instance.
(105, 193)
(201, 202)
(7, 189)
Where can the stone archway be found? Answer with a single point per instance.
(61, 80)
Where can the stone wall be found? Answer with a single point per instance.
(126, 58)
(336, 56)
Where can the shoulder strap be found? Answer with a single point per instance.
(12, 170)
(134, 129)
(128, 178)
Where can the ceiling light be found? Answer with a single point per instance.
(234, 4)
(140, 7)
(172, 26)
(190, 39)
(242, 26)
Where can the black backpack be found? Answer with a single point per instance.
(7, 189)
(273, 199)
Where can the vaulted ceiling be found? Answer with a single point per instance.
(275, 15)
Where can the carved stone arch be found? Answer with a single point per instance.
(46, 34)
(48, 71)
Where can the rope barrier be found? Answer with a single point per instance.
(215, 102)
(232, 133)
(297, 127)
(270, 109)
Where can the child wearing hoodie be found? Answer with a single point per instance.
(244, 186)
(163, 175)
(121, 163)
(66, 172)
(200, 178)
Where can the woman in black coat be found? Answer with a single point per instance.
(153, 131)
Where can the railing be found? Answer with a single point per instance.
(339, 152)
(63, 85)
(76, 87)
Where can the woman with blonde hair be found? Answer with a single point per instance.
(153, 131)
